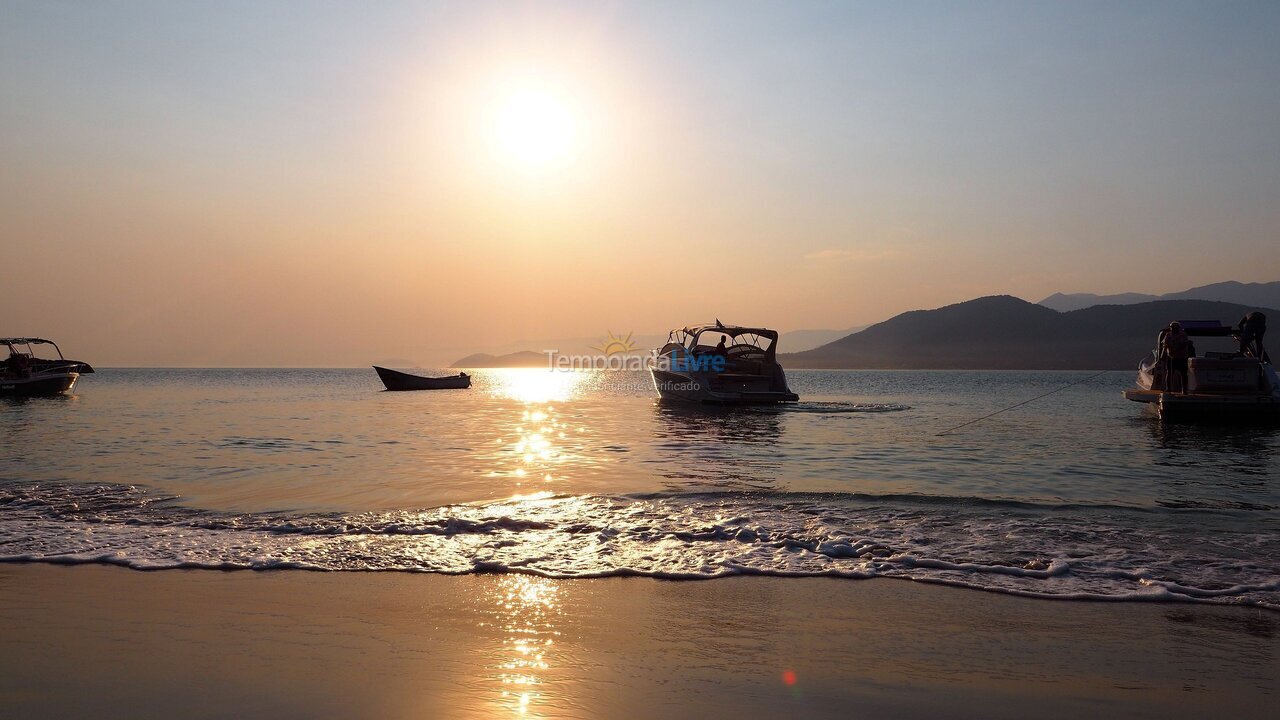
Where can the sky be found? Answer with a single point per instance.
(334, 184)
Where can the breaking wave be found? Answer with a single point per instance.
(1096, 552)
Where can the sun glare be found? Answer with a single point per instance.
(535, 130)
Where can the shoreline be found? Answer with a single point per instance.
(105, 641)
(1165, 598)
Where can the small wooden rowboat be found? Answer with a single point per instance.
(396, 380)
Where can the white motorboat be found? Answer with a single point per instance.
(741, 369)
(1219, 385)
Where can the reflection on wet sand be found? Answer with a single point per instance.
(525, 610)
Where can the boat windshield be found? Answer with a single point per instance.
(742, 343)
(739, 341)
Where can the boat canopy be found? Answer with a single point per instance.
(762, 338)
(1206, 328)
(733, 331)
(730, 330)
(11, 342)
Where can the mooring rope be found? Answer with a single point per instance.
(1024, 402)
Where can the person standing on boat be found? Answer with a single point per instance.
(1177, 347)
(1250, 331)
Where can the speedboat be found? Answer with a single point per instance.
(396, 380)
(23, 374)
(1220, 385)
(742, 369)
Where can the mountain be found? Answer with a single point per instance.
(793, 340)
(1255, 294)
(798, 340)
(1007, 333)
(1065, 302)
(524, 358)
(1263, 295)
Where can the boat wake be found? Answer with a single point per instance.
(1056, 551)
(825, 408)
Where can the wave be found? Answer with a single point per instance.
(1038, 550)
(835, 408)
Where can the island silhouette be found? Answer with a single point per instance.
(998, 332)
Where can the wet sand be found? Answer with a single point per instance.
(107, 642)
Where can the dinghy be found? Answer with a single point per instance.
(396, 380)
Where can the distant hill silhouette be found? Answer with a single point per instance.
(798, 340)
(1066, 302)
(524, 358)
(1255, 294)
(1006, 333)
(792, 340)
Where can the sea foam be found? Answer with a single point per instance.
(1067, 552)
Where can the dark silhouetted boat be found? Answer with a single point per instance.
(742, 370)
(22, 374)
(396, 380)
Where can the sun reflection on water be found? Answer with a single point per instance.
(545, 432)
(526, 607)
(534, 450)
(540, 385)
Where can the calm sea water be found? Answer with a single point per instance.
(579, 474)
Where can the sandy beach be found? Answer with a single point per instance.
(108, 642)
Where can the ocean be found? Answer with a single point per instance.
(1079, 495)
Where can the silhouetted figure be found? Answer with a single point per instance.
(721, 350)
(1250, 331)
(19, 364)
(1177, 349)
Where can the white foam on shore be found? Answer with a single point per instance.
(1093, 553)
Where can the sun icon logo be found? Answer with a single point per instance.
(614, 344)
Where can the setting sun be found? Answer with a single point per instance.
(535, 129)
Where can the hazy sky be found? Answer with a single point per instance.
(290, 183)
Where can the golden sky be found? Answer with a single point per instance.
(332, 184)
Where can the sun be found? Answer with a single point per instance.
(535, 130)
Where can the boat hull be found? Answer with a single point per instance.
(706, 388)
(396, 380)
(43, 385)
(1176, 407)
(1219, 391)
